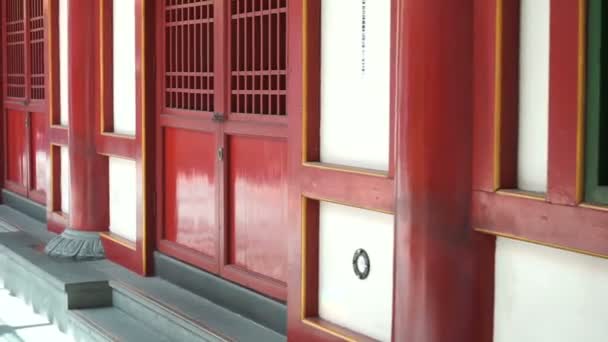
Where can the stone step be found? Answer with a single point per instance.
(257, 307)
(110, 324)
(186, 316)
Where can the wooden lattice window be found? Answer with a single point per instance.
(189, 54)
(24, 49)
(14, 27)
(36, 40)
(259, 61)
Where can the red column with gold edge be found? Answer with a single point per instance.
(89, 195)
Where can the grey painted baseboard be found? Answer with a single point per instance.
(261, 309)
(24, 205)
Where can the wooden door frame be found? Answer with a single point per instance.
(57, 135)
(134, 255)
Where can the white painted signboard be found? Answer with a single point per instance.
(355, 83)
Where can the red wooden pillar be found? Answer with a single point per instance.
(88, 170)
(435, 249)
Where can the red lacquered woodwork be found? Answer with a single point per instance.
(435, 277)
(122, 251)
(16, 151)
(496, 82)
(257, 196)
(582, 229)
(89, 210)
(485, 82)
(14, 37)
(56, 222)
(58, 135)
(560, 220)
(317, 181)
(190, 190)
(24, 85)
(39, 152)
(186, 139)
(36, 52)
(109, 143)
(249, 94)
(567, 101)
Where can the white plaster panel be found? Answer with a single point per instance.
(547, 294)
(123, 198)
(533, 95)
(355, 103)
(65, 179)
(64, 80)
(364, 306)
(124, 66)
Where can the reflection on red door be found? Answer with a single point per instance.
(257, 201)
(39, 150)
(16, 151)
(190, 192)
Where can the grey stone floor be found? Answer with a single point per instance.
(19, 322)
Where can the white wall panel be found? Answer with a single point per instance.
(533, 95)
(546, 294)
(123, 198)
(355, 103)
(65, 179)
(64, 80)
(124, 66)
(364, 306)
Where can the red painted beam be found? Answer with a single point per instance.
(569, 227)
(436, 277)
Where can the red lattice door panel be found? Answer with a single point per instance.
(187, 136)
(223, 127)
(24, 92)
(255, 139)
(14, 32)
(36, 50)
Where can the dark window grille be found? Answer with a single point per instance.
(15, 48)
(596, 153)
(36, 29)
(259, 59)
(189, 54)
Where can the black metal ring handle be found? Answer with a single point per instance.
(361, 254)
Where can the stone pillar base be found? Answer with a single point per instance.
(77, 245)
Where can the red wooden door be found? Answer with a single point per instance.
(222, 139)
(187, 136)
(25, 112)
(255, 141)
